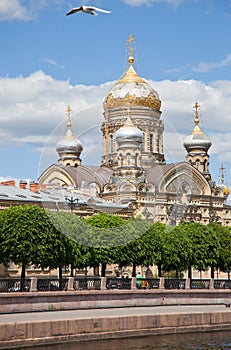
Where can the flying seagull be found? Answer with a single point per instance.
(87, 9)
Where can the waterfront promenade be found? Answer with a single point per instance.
(52, 327)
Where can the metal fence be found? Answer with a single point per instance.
(174, 283)
(8, 285)
(222, 284)
(199, 284)
(14, 285)
(51, 284)
(89, 283)
(118, 283)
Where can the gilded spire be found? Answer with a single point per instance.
(69, 110)
(131, 49)
(131, 76)
(69, 132)
(226, 190)
(222, 174)
(196, 107)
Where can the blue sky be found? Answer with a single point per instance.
(49, 61)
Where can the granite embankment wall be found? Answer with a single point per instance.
(14, 334)
(85, 329)
(71, 300)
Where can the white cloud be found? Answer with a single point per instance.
(207, 67)
(174, 3)
(21, 10)
(53, 63)
(33, 110)
(13, 9)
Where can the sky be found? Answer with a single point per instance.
(49, 61)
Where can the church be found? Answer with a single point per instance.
(133, 177)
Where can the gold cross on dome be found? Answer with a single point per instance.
(196, 107)
(130, 40)
(222, 168)
(69, 110)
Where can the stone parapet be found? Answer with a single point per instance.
(84, 329)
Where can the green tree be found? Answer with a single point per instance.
(23, 233)
(135, 250)
(176, 250)
(153, 245)
(224, 236)
(205, 245)
(71, 232)
(105, 232)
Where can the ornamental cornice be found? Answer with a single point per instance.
(131, 100)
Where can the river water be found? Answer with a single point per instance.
(191, 341)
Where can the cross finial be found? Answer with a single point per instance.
(69, 110)
(131, 49)
(196, 107)
(222, 168)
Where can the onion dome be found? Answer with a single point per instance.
(197, 139)
(132, 90)
(69, 144)
(128, 132)
(226, 190)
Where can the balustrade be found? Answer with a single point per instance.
(34, 284)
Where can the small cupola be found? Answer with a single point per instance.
(69, 147)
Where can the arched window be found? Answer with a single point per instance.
(157, 143)
(111, 143)
(121, 159)
(151, 143)
(143, 143)
(197, 164)
(205, 165)
(136, 158)
(129, 159)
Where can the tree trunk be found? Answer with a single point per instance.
(190, 272)
(23, 272)
(133, 270)
(103, 271)
(72, 271)
(159, 270)
(212, 271)
(60, 271)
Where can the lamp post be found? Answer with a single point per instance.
(72, 202)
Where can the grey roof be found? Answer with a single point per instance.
(88, 174)
(157, 171)
(25, 195)
(55, 196)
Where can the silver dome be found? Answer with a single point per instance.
(69, 144)
(197, 140)
(129, 132)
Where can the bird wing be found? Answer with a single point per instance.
(74, 10)
(100, 10)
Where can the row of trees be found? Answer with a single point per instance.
(30, 235)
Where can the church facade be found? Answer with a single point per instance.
(133, 177)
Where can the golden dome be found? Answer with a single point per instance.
(132, 90)
(226, 190)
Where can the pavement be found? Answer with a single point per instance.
(109, 312)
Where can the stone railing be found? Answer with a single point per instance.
(34, 284)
